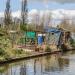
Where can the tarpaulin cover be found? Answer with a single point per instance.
(30, 34)
(53, 38)
(40, 40)
(54, 30)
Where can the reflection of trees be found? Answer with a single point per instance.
(47, 63)
(3, 68)
(63, 63)
(51, 64)
(14, 69)
(36, 66)
(23, 69)
(54, 63)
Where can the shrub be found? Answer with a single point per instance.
(47, 49)
(2, 52)
(23, 27)
(3, 68)
(72, 42)
(18, 51)
(7, 56)
(64, 47)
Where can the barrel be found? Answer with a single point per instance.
(40, 39)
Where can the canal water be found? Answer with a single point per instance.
(56, 64)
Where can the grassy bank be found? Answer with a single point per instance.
(6, 50)
(12, 53)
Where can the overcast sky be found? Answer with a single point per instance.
(58, 1)
(58, 6)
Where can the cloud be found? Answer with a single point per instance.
(33, 12)
(35, 16)
(1, 14)
(56, 14)
(14, 14)
(58, 1)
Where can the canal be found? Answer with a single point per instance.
(56, 64)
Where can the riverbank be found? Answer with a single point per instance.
(27, 57)
(56, 63)
(30, 56)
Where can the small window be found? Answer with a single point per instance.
(52, 33)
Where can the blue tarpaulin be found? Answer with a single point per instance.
(53, 38)
(54, 30)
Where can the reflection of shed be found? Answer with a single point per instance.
(53, 36)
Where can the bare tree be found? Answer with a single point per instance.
(65, 23)
(41, 20)
(68, 24)
(48, 20)
(72, 25)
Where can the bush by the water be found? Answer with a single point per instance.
(2, 52)
(64, 47)
(18, 51)
(47, 49)
(72, 42)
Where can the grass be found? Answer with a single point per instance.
(6, 50)
(13, 53)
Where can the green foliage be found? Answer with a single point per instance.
(48, 49)
(2, 52)
(4, 42)
(18, 51)
(7, 56)
(21, 40)
(72, 42)
(3, 69)
(23, 27)
(3, 32)
(31, 27)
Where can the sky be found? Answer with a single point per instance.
(40, 4)
(58, 6)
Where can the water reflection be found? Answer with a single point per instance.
(3, 68)
(55, 63)
(47, 65)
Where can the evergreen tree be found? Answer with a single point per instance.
(24, 12)
(8, 18)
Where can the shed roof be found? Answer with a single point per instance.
(54, 30)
